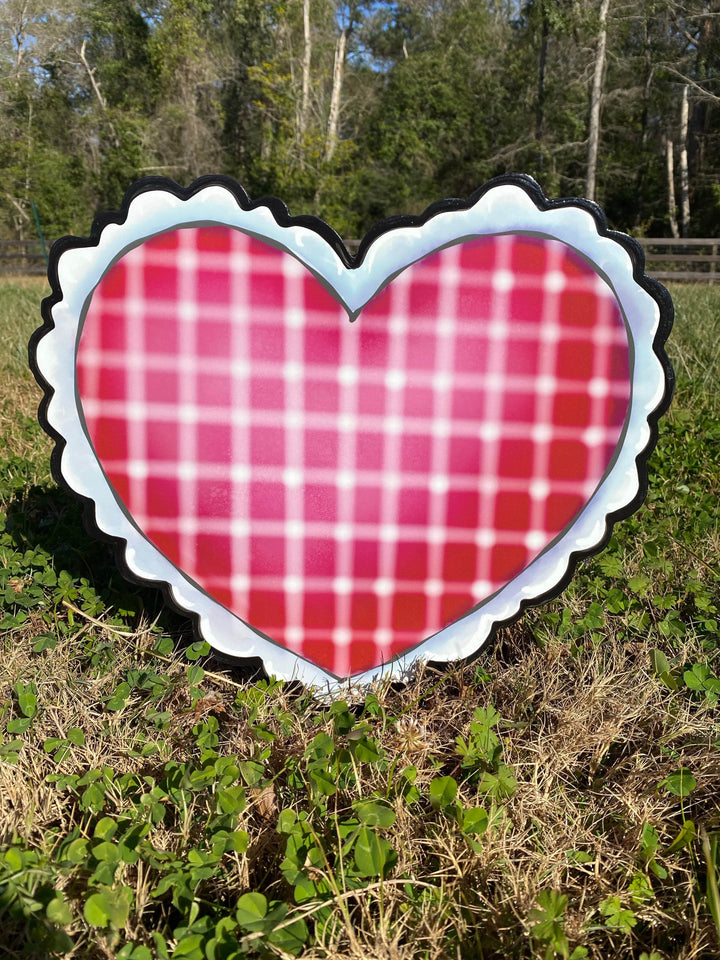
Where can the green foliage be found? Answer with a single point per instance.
(616, 916)
(710, 848)
(443, 791)
(27, 890)
(680, 782)
(640, 889)
(481, 754)
(649, 844)
(483, 745)
(434, 98)
(548, 928)
(108, 907)
(684, 838)
(702, 681)
(256, 916)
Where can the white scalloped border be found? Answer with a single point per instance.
(505, 208)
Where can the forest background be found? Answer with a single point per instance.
(358, 110)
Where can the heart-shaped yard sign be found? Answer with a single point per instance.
(343, 464)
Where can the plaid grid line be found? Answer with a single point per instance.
(342, 585)
(350, 489)
(239, 400)
(294, 455)
(439, 482)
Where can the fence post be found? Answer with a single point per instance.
(39, 230)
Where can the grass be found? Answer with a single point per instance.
(555, 798)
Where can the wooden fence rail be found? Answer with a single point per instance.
(694, 260)
(691, 260)
(22, 258)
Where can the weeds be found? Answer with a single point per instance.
(556, 798)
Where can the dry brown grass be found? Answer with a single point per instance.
(590, 736)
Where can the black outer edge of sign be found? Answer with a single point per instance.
(284, 218)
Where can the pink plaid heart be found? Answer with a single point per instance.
(348, 489)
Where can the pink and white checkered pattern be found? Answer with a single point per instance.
(348, 489)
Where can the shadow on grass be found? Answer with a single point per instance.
(26, 932)
(49, 520)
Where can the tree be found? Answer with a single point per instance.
(596, 101)
(29, 36)
(442, 104)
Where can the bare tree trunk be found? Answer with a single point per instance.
(684, 176)
(20, 217)
(672, 210)
(307, 53)
(338, 69)
(91, 77)
(98, 92)
(595, 100)
(19, 36)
